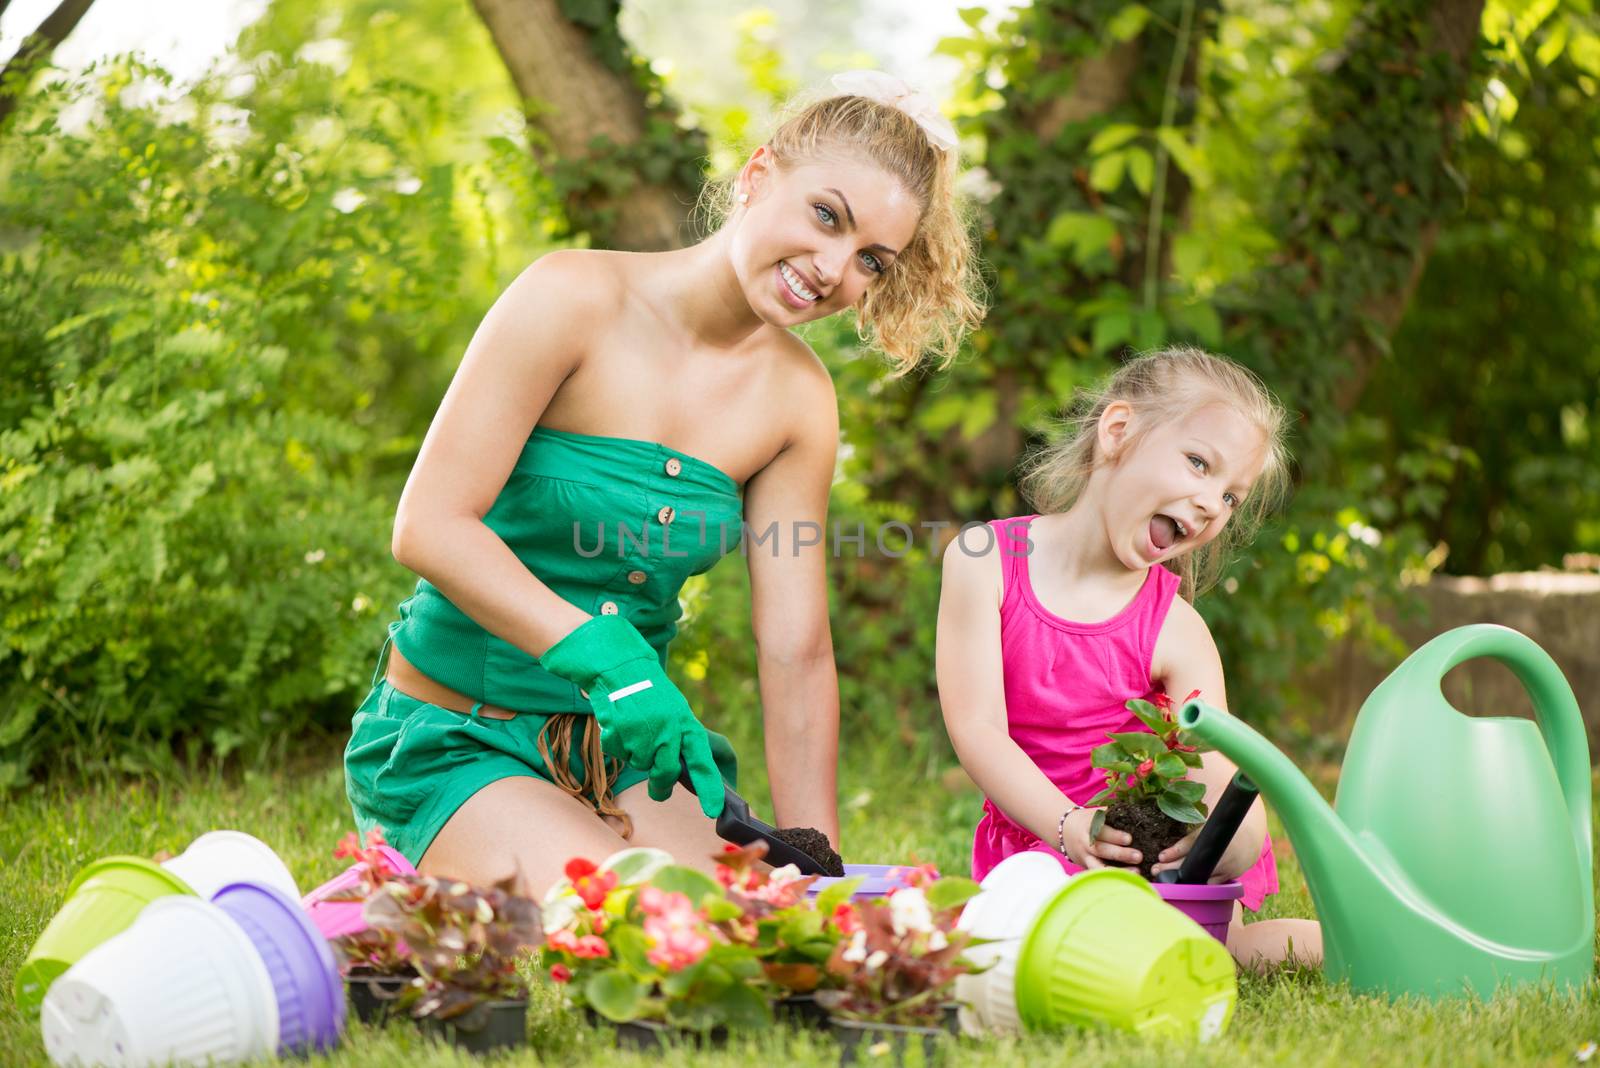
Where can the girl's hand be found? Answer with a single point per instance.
(1093, 851)
(1172, 856)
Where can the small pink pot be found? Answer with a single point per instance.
(1208, 904)
(335, 918)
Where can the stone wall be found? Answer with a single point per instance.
(1559, 610)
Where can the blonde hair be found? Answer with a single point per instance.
(929, 297)
(1160, 386)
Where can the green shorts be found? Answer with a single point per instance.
(410, 765)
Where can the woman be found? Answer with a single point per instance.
(659, 401)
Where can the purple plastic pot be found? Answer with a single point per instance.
(1208, 904)
(304, 976)
(876, 879)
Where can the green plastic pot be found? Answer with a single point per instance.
(102, 901)
(1107, 950)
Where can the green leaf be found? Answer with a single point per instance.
(1113, 135)
(1105, 756)
(1110, 329)
(1179, 809)
(1191, 759)
(1139, 743)
(1148, 714)
(801, 927)
(1106, 173)
(980, 413)
(739, 1007)
(630, 946)
(1149, 329)
(722, 911)
(1085, 233)
(972, 16)
(1187, 789)
(1101, 798)
(1170, 766)
(679, 984)
(1201, 320)
(694, 885)
(615, 995)
(1128, 22)
(1182, 152)
(637, 864)
(837, 894)
(950, 891)
(1141, 168)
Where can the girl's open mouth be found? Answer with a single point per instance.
(1165, 531)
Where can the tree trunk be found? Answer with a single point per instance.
(588, 109)
(37, 48)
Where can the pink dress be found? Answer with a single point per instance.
(1067, 685)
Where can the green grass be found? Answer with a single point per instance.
(298, 807)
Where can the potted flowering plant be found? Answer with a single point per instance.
(669, 948)
(455, 946)
(889, 977)
(1147, 791)
(376, 967)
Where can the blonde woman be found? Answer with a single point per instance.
(615, 421)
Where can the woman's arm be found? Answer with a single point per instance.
(529, 342)
(789, 610)
(1186, 660)
(971, 677)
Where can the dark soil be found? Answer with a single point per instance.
(1152, 830)
(814, 844)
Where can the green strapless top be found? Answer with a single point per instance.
(614, 525)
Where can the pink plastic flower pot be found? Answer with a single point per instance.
(1208, 904)
(305, 978)
(335, 918)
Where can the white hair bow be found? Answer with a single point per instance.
(887, 89)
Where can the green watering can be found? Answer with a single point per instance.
(1457, 856)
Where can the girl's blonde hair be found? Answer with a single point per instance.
(1160, 386)
(929, 298)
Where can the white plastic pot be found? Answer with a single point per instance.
(1014, 892)
(218, 858)
(183, 985)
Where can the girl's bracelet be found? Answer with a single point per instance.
(1061, 831)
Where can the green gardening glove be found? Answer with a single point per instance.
(644, 720)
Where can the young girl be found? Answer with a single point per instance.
(655, 403)
(1049, 627)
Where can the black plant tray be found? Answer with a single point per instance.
(484, 1028)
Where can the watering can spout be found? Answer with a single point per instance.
(1335, 865)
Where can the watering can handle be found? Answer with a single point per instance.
(1554, 706)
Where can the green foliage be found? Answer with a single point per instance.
(1484, 418)
(206, 316)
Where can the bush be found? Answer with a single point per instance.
(213, 323)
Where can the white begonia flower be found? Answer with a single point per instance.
(559, 909)
(937, 941)
(786, 874)
(348, 200)
(876, 960)
(909, 911)
(856, 951)
(407, 184)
